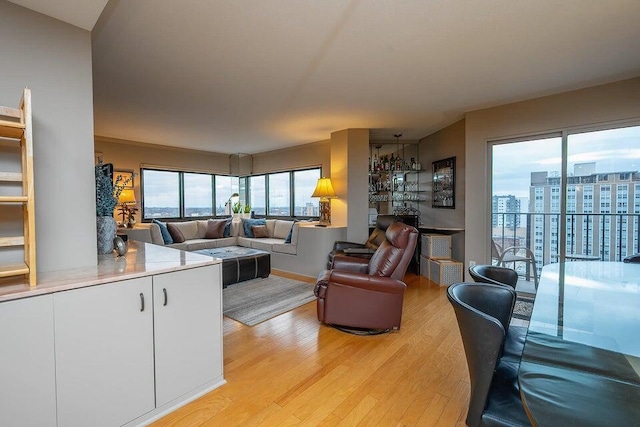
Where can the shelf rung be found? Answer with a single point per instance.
(11, 176)
(11, 129)
(12, 241)
(13, 270)
(13, 199)
(10, 112)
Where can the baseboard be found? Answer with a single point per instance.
(293, 276)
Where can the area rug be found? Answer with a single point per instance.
(257, 300)
(523, 308)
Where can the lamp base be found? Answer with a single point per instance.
(325, 213)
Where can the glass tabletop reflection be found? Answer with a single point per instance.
(581, 360)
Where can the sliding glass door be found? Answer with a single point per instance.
(603, 194)
(573, 195)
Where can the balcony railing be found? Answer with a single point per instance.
(589, 236)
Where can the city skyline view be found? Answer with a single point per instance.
(614, 150)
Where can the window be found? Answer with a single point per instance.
(304, 182)
(160, 194)
(280, 194)
(257, 194)
(225, 186)
(178, 194)
(198, 195)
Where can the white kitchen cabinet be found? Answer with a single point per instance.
(187, 330)
(130, 351)
(27, 364)
(104, 353)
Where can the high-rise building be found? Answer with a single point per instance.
(506, 211)
(602, 214)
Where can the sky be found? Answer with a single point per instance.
(612, 150)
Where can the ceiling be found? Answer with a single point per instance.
(257, 75)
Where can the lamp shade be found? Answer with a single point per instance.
(324, 189)
(127, 196)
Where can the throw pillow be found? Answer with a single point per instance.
(288, 239)
(227, 228)
(260, 231)
(248, 223)
(166, 236)
(175, 232)
(215, 228)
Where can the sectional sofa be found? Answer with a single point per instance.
(296, 247)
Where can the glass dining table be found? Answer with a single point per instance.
(581, 360)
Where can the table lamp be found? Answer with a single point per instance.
(325, 191)
(127, 197)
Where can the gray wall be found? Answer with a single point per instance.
(602, 104)
(447, 142)
(53, 59)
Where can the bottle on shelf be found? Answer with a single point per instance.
(413, 163)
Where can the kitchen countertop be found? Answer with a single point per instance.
(141, 259)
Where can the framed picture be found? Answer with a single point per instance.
(125, 174)
(444, 189)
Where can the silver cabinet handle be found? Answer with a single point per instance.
(166, 300)
(141, 301)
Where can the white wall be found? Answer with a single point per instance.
(53, 59)
(599, 104)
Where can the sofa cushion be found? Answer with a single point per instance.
(248, 223)
(215, 228)
(264, 244)
(260, 231)
(175, 232)
(166, 236)
(189, 229)
(285, 248)
(271, 223)
(181, 246)
(197, 244)
(282, 228)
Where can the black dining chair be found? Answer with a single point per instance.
(504, 276)
(483, 312)
(494, 274)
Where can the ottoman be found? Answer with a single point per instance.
(240, 264)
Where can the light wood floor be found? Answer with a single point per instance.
(291, 370)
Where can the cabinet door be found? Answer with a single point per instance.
(104, 353)
(188, 335)
(27, 364)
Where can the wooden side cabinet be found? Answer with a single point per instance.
(27, 364)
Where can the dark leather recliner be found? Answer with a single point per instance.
(483, 312)
(368, 294)
(375, 238)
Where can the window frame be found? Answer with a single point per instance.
(245, 196)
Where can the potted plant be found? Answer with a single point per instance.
(247, 211)
(107, 194)
(105, 203)
(236, 208)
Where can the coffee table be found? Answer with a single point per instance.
(240, 263)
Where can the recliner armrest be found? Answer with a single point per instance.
(350, 263)
(341, 245)
(364, 281)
